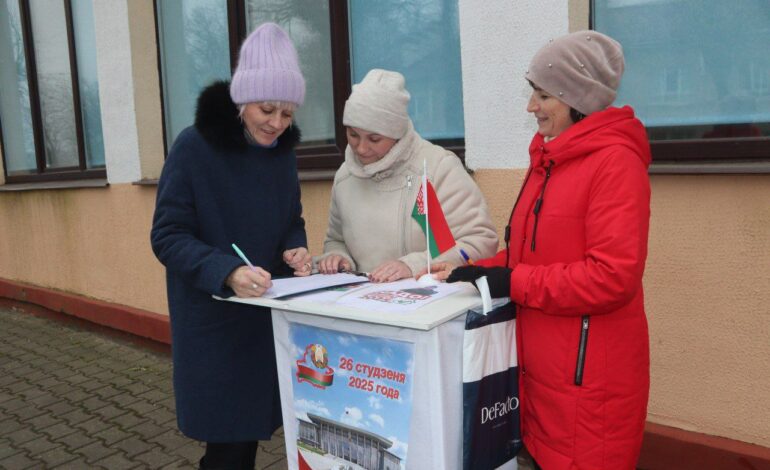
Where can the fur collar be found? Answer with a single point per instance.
(216, 118)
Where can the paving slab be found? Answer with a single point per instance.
(77, 396)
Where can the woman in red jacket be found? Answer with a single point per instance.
(576, 245)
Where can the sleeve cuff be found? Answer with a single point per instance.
(485, 263)
(297, 241)
(414, 261)
(222, 289)
(519, 283)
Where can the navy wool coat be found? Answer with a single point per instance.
(217, 189)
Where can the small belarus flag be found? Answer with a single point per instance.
(440, 238)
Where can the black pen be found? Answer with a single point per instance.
(356, 273)
(344, 271)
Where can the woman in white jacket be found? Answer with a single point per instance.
(371, 227)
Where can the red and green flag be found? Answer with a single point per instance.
(439, 236)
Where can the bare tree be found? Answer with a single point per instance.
(205, 43)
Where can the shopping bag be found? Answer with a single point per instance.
(491, 429)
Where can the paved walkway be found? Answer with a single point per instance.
(76, 397)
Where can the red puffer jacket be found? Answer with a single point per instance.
(578, 244)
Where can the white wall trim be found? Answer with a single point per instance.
(116, 91)
(497, 40)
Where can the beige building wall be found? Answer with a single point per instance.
(92, 242)
(96, 242)
(707, 287)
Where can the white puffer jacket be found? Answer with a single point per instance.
(370, 218)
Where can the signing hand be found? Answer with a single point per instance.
(247, 283)
(390, 271)
(299, 260)
(333, 264)
(439, 271)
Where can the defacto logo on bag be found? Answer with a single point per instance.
(499, 409)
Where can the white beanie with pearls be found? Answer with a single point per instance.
(379, 104)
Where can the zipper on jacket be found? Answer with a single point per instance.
(510, 220)
(581, 358)
(539, 203)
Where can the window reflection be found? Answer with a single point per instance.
(715, 81)
(194, 52)
(307, 23)
(422, 41)
(18, 139)
(54, 82)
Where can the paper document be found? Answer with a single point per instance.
(330, 295)
(297, 285)
(405, 295)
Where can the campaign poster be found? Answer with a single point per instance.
(352, 399)
(406, 295)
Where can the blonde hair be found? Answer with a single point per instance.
(288, 105)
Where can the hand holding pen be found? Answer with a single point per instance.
(333, 264)
(442, 270)
(249, 280)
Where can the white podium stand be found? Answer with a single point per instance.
(435, 330)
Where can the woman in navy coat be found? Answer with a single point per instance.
(232, 178)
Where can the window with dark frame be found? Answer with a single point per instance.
(697, 74)
(322, 33)
(50, 118)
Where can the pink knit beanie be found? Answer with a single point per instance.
(268, 68)
(582, 69)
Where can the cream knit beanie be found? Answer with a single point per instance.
(582, 69)
(379, 104)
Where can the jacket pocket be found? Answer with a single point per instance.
(581, 356)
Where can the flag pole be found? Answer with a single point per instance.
(425, 205)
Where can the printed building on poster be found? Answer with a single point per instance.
(355, 445)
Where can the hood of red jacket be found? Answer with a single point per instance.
(612, 126)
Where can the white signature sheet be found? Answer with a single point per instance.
(298, 285)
